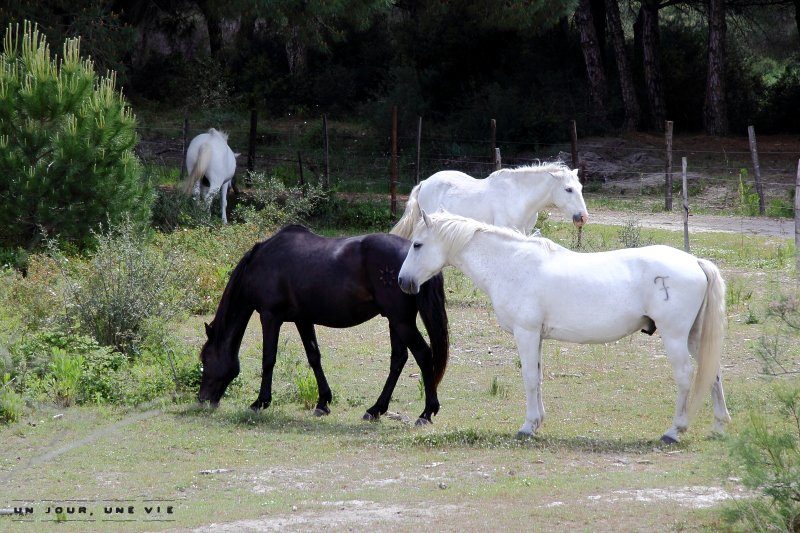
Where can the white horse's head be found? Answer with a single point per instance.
(425, 258)
(568, 196)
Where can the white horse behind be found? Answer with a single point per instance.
(510, 197)
(540, 290)
(211, 164)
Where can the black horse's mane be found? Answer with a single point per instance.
(232, 289)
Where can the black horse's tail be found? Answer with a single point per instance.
(430, 302)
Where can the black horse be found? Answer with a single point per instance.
(298, 276)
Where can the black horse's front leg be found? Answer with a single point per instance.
(309, 338)
(398, 361)
(270, 328)
(422, 354)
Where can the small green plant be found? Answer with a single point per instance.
(748, 200)
(630, 234)
(752, 316)
(421, 388)
(307, 390)
(497, 389)
(11, 404)
(737, 293)
(767, 452)
(65, 377)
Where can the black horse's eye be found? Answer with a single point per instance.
(417, 245)
(569, 189)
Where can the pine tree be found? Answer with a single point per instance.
(66, 145)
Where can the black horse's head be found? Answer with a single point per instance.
(220, 367)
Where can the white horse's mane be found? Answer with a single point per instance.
(213, 131)
(558, 169)
(454, 232)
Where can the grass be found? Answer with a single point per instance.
(596, 464)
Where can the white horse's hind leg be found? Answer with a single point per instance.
(721, 415)
(682, 369)
(529, 345)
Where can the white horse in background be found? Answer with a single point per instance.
(211, 164)
(540, 290)
(510, 197)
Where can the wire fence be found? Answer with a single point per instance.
(616, 169)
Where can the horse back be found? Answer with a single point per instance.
(297, 275)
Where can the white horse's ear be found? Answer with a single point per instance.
(426, 219)
(236, 154)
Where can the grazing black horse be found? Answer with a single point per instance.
(298, 276)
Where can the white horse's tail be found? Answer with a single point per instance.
(200, 167)
(713, 319)
(405, 226)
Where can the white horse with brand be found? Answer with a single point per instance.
(510, 197)
(540, 290)
(211, 164)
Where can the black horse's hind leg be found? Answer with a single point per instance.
(270, 327)
(309, 337)
(398, 361)
(411, 337)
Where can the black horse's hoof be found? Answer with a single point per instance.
(322, 411)
(668, 440)
(368, 417)
(422, 421)
(259, 405)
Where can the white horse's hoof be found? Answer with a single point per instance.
(523, 435)
(667, 439)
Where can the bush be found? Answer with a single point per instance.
(66, 145)
(767, 451)
(11, 404)
(65, 377)
(123, 285)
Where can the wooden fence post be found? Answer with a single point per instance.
(498, 161)
(668, 169)
(251, 145)
(326, 184)
(797, 222)
(751, 134)
(419, 145)
(185, 134)
(302, 181)
(493, 130)
(574, 135)
(394, 161)
(685, 208)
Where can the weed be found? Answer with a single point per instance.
(737, 292)
(421, 388)
(11, 404)
(307, 390)
(749, 203)
(497, 389)
(752, 316)
(65, 378)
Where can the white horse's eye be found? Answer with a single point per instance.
(417, 245)
(569, 189)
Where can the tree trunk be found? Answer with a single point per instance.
(625, 78)
(296, 53)
(797, 14)
(591, 54)
(715, 117)
(213, 24)
(598, 8)
(652, 63)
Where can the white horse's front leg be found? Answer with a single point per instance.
(223, 200)
(682, 369)
(529, 344)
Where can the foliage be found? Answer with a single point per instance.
(124, 284)
(497, 389)
(748, 200)
(767, 451)
(173, 209)
(307, 390)
(274, 203)
(104, 35)
(66, 145)
(65, 377)
(11, 404)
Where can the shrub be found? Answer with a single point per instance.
(65, 377)
(767, 451)
(123, 285)
(66, 145)
(11, 404)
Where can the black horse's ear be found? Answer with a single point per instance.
(209, 331)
